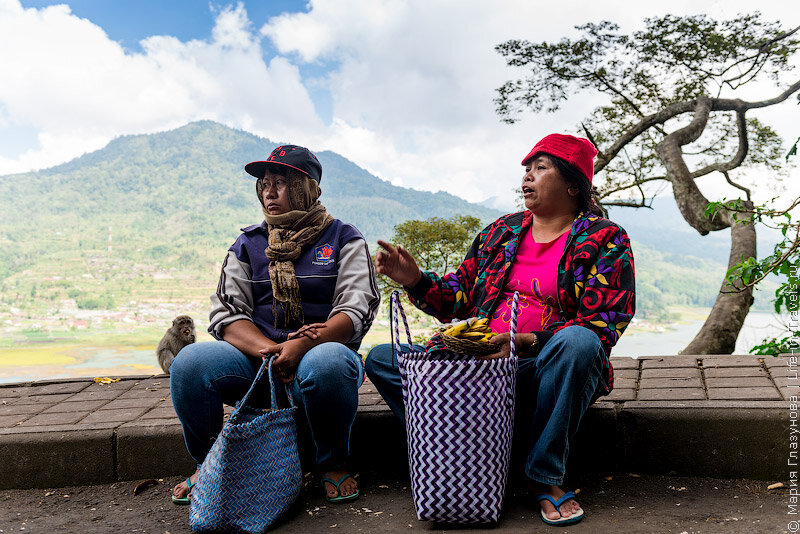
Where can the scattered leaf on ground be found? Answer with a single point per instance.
(141, 486)
(105, 379)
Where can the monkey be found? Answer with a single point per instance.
(180, 334)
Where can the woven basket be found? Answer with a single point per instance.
(459, 424)
(467, 346)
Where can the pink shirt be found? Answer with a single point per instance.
(534, 274)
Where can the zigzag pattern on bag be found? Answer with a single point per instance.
(459, 423)
(459, 419)
(252, 473)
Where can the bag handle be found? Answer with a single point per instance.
(397, 307)
(512, 328)
(274, 398)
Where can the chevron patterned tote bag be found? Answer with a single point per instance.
(459, 422)
(252, 473)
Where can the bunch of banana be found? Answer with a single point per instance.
(473, 329)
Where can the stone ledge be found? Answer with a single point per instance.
(68, 432)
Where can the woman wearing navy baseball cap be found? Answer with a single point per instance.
(301, 286)
(574, 273)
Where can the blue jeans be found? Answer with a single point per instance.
(554, 390)
(203, 376)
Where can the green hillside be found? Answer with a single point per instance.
(133, 232)
(144, 223)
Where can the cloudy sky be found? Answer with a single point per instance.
(402, 87)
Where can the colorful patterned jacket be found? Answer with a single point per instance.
(595, 279)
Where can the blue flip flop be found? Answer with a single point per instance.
(563, 520)
(336, 484)
(184, 500)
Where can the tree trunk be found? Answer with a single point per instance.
(721, 329)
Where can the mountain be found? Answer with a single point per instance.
(183, 188)
(122, 224)
(197, 171)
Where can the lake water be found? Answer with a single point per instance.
(47, 361)
(757, 326)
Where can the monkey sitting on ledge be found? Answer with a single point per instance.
(180, 334)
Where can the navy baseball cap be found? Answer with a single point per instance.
(297, 157)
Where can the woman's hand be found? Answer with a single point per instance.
(309, 331)
(502, 343)
(397, 264)
(288, 356)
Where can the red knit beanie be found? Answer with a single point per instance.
(576, 151)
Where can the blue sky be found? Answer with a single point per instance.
(402, 87)
(130, 21)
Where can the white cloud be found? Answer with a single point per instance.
(79, 89)
(411, 82)
(415, 79)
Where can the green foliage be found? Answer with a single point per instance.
(655, 80)
(784, 261)
(437, 244)
(672, 61)
(103, 301)
(788, 344)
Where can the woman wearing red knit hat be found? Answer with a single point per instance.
(574, 272)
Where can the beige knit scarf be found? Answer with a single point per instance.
(290, 234)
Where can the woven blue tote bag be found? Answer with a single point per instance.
(252, 473)
(459, 423)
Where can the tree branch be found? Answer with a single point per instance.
(691, 202)
(638, 181)
(628, 204)
(737, 186)
(738, 158)
(723, 104)
(678, 108)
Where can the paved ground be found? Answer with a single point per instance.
(663, 414)
(720, 416)
(619, 503)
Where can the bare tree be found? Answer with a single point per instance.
(674, 115)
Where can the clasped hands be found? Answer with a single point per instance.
(290, 352)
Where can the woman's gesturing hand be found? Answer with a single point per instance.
(397, 264)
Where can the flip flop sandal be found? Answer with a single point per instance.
(336, 484)
(563, 520)
(184, 500)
